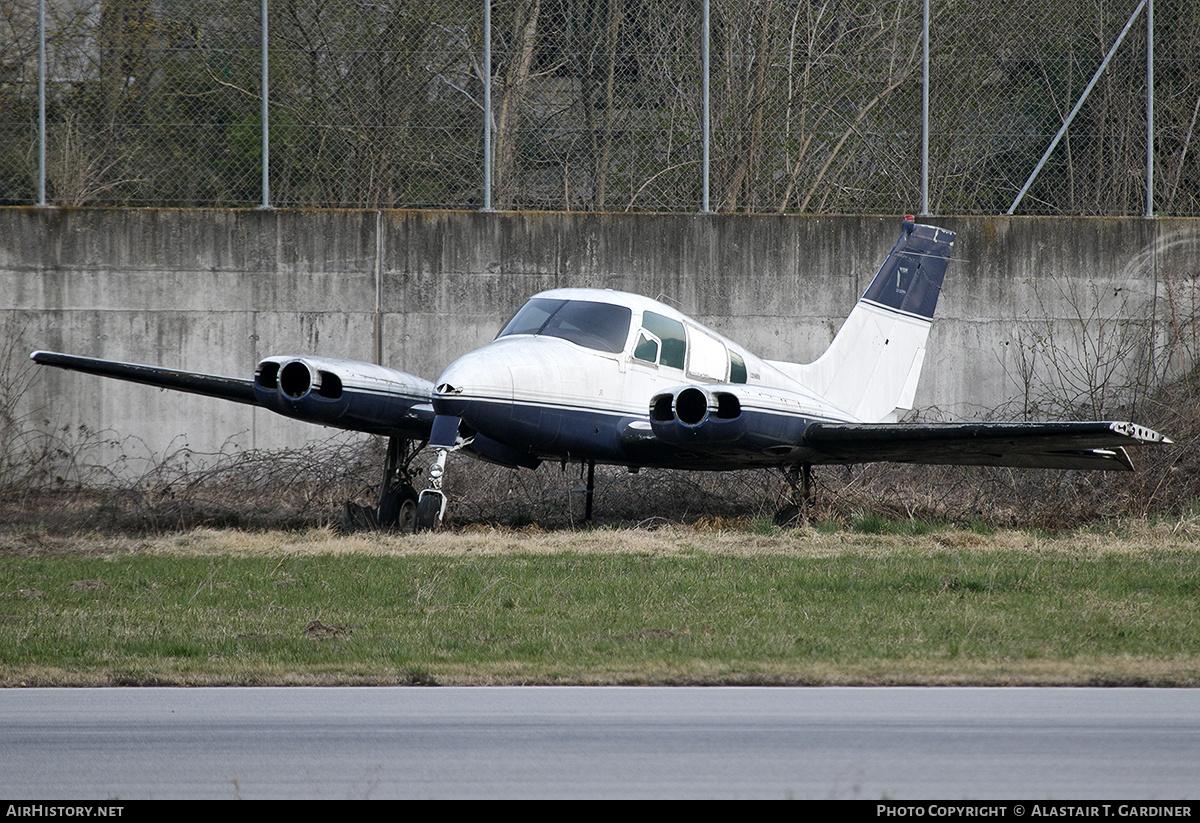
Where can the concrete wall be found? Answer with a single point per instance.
(214, 291)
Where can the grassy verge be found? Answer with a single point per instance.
(675, 605)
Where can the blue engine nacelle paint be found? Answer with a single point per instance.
(693, 416)
(343, 394)
(730, 419)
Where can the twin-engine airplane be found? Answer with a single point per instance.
(599, 376)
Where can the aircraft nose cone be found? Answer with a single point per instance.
(474, 377)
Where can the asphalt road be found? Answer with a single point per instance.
(856, 743)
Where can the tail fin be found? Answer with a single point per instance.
(871, 368)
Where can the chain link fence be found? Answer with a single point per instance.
(600, 105)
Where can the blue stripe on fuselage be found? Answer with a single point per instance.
(571, 432)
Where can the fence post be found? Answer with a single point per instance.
(266, 139)
(925, 110)
(41, 92)
(706, 126)
(487, 105)
(1150, 109)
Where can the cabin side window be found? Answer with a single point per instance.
(737, 368)
(708, 360)
(671, 336)
(647, 347)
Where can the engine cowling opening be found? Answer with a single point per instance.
(728, 406)
(267, 375)
(691, 406)
(329, 385)
(295, 379)
(660, 409)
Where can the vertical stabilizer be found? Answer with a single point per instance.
(871, 368)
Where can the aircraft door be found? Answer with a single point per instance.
(661, 341)
(659, 354)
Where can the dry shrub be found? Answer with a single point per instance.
(71, 487)
(1029, 498)
(553, 495)
(76, 490)
(1165, 482)
(92, 481)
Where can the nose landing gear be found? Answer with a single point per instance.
(444, 438)
(431, 505)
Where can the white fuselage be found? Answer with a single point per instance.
(569, 393)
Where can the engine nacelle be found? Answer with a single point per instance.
(344, 393)
(693, 416)
(728, 417)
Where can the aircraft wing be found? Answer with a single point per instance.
(345, 394)
(730, 424)
(1051, 445)
(225, 388)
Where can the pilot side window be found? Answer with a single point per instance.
(600, 326)
(530, 318)
(672, 337)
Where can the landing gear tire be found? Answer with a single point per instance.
(406, 521)
(398, 508)
(428, 513)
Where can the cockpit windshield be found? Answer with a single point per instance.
(600, 326)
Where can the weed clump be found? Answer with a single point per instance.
(309, 487)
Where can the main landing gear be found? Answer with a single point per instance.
(795, 510)
(396, 506)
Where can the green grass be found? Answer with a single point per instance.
(874, 523)
(918, 611)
